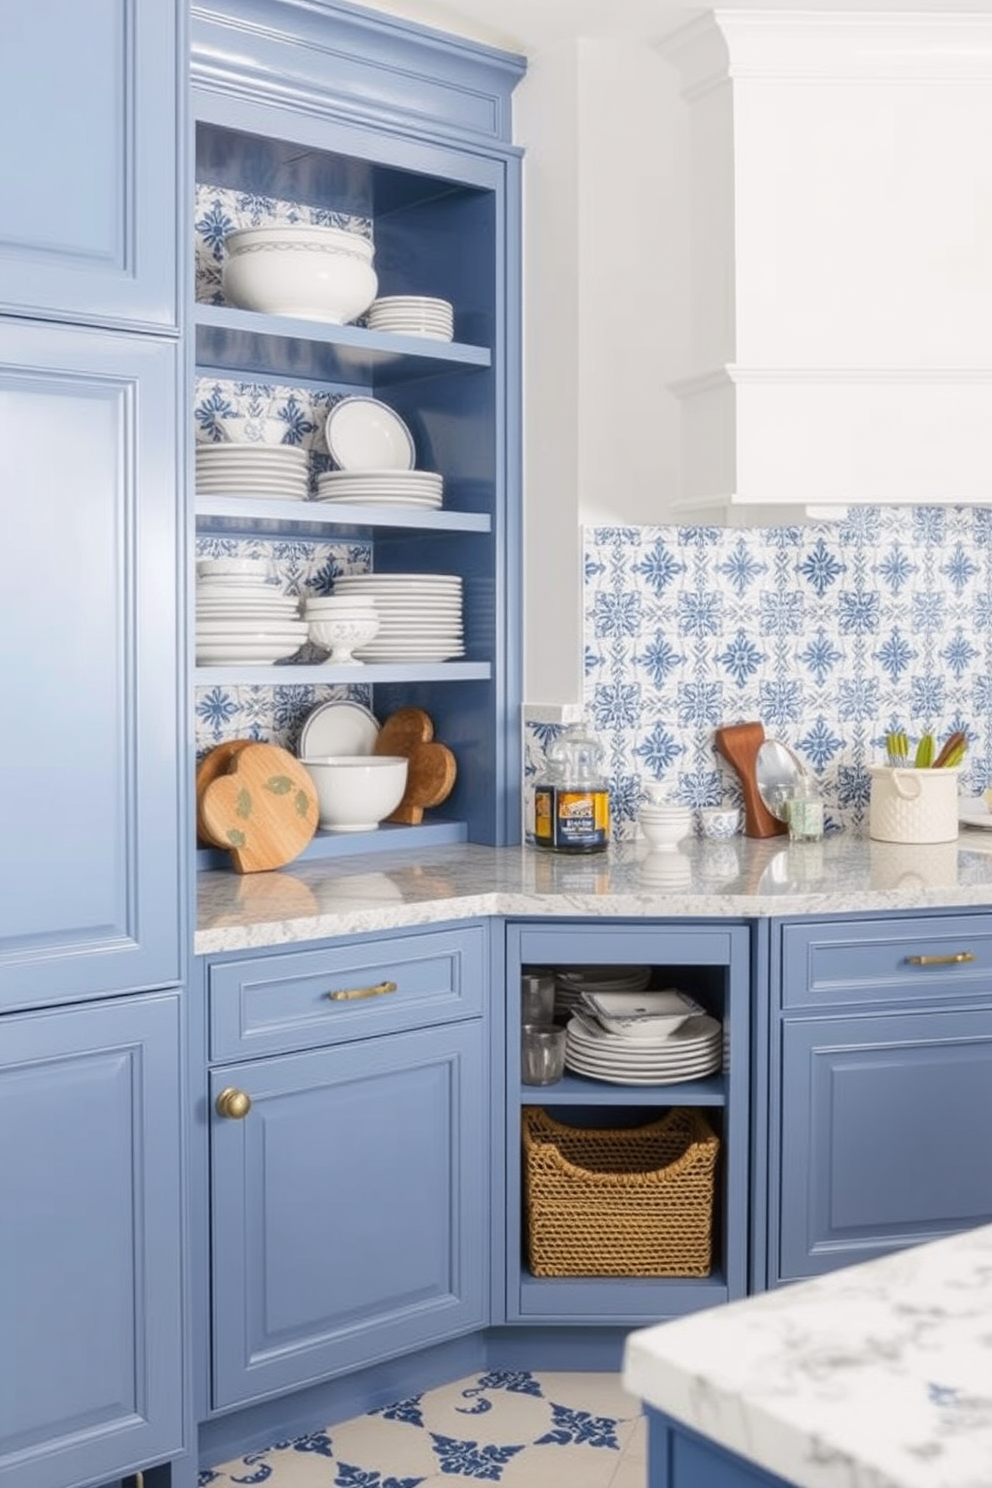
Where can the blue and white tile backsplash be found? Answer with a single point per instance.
(828, 634)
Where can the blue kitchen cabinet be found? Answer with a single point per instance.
(348, 1191)
(880, 1088)
(90, 101)
(680, 1458)
(90, 663)
(91, 1335)
(404, 133)
(710, 961)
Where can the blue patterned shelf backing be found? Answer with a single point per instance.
(829, 634)
(218, 210)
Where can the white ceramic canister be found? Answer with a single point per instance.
(909, 805)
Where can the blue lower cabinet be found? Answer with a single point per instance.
(678, 1458)
(884, 1133)
(91, 1348)
(348, 1207)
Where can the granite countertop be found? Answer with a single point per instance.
(742, 878)
(876, 1376)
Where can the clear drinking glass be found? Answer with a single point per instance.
(537, 997)
(542, 1053)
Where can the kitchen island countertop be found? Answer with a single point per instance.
(741, 878)
(876, 1376)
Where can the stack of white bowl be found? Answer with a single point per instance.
(663, 823)
(413, 315)
(339, 623)
(242, 616)
(304, 269)
(272, 472)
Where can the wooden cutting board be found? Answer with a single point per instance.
(216, 761)
(431, 766)
(264, 810)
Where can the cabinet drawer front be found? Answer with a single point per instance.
(275, 1004)
(942, 957)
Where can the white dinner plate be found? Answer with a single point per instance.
(399, 582)
(270, 454)
(365, 434)
(973, 812)
(627, 1079)
(338, 727)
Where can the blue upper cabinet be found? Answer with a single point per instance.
(89, 105)
(89, 667)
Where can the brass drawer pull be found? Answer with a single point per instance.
(349, 994)
(955, 959)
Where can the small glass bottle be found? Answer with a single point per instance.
(571, 798)
(805, 808)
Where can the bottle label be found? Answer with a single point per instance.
(571, 819)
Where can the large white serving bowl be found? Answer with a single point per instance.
(319, 273)
(355, 792)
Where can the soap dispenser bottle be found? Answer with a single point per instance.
(571, 798)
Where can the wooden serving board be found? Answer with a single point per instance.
(264, 810)
(431, 767)
(216, 761)
(739, 744)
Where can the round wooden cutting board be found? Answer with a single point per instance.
(264, 810)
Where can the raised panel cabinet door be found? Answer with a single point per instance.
(885, 1130)
(90, 1241)
(90, 662)
(348, 1215)
(89, 159)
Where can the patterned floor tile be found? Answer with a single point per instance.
(630, 1473)
(600, 1394)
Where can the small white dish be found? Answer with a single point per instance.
(365, 434)
(337, 728)
(973, 812)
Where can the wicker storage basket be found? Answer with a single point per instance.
(628, 1202)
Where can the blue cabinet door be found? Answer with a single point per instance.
(885, 1127)
(348, 1220)
(90, 664)
(89, 160)
(90, 1316)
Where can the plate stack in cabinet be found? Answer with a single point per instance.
(709, 962)
(401, 134)
(92, 955)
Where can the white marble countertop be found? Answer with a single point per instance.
(877, 1376)
(742, 878)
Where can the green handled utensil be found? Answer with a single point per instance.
(924, 753)
(897, 748)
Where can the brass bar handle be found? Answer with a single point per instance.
(350, 994)
(233, 1103)
(957, 958)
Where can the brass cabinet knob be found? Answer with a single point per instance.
(233, 1103)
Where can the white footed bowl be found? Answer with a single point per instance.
(343, 634)
(355, 792)
(319, 273)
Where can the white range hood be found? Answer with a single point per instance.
(840, 216)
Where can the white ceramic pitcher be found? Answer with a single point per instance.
(909, 805)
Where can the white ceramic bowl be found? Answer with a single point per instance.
(343, 634)
(719, 821)
(319, 273)
(255, 568)
(355, 792)
(664, 828)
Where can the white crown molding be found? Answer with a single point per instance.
(723, 46)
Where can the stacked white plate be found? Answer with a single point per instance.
(413, 315)
(412, 488)
(267, 471)
(692, 1051)
(242, 620)
(420, 615)
(571, 984)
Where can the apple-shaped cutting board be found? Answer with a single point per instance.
(264, 810)
(431, 767)
(216, 761)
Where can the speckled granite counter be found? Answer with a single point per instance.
(740, 879)
(878, 1376)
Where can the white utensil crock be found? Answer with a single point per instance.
(913, 805)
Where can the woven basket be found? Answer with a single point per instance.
(636, 1201)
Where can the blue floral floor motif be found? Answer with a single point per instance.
(514, 1428)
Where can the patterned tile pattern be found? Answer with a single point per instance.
(510, 1427)
(829, 634)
